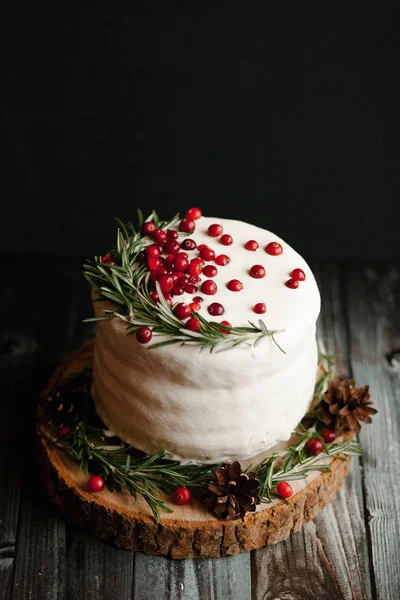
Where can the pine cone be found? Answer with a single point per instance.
(71, 402)
(344, 406)
(231, 494)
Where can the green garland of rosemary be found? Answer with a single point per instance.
(154, 476)
(125, 285)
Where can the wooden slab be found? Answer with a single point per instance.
(190, 531)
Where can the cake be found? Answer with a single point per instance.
(204, 397)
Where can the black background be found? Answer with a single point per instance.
(278, 117)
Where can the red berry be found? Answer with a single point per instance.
(328, 436)
(194, 279)
(209, 287)
(142, 257)
(182, 311)
(257, 271)
(172, 234)
(193, 324)
(144, 335)
(251, 245)
(168, 260)
(159, 236)
(63, 431)
(194, 307)
(188, 244)
(284, 489)
(181, 261)
(292, 284)
(198, 299)
(298, 275)
(313, 446)
(193, 213)
(172, 247)
(222, 260)
(215, 230)
(177, 290)
(187, 225)
(260, 308)
(96, 483)
(234, 285)
(194, 268)
(226, 240)
(216, 309)
(274, 248)
(190, 288)
(166, 282)
(222, 330)
(210, 271)
(162, 271)
(207, 254)
(154, 296)
(149, 228)
(182, 495)
(152, 251)
(107, 260)
(201, 247)
(154, 263)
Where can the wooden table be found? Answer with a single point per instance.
(351, 550)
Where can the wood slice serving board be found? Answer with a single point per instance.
(190, 531)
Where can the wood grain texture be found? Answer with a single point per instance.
(374, 327)
(329, 558)
(205, 579)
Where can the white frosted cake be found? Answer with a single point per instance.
(201, 406)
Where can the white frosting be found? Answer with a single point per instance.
(203, 407)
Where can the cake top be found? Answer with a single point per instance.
(204, 281)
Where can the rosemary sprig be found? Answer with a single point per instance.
(293, 464)
(150, 476)
(125, 285)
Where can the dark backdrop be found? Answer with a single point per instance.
(284, 119)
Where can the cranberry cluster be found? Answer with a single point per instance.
(177, 271)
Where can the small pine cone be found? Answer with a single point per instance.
(344, 406)
(231, 494)
(66, 407)
(71, 402)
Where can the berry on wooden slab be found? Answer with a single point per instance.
(96, 483)
(284, 489)
(182, 495)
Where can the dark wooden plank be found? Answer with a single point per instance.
(96, 570)
(374, 323)
(329, 557)
(41, 533)
(19, 322)
(192, 579)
